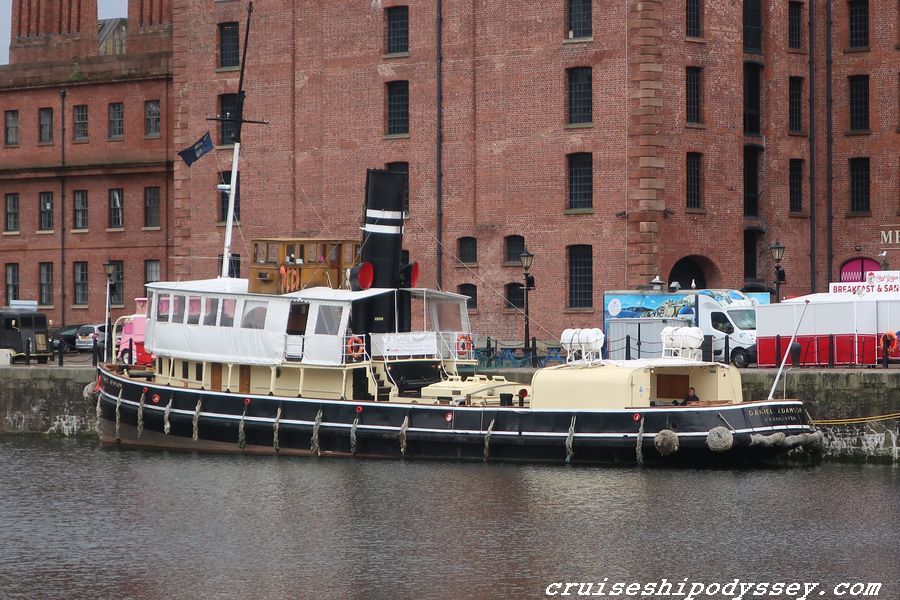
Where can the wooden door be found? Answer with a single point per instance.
(215, 377)
(245, 379)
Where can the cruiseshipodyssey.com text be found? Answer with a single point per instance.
(702, 590)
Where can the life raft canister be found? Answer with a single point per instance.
(463, 345)
(355, 347)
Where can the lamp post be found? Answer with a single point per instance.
(108, 269)
(777, 250)
(526, 258)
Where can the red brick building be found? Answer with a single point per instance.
(616, 141)
(86, 158)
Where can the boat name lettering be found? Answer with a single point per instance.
(767, 410)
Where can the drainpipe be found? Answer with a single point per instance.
(812, 148)
(62, 204)
(439, 168)
(829, 141)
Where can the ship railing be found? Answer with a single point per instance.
(443, 345)
(354, 349)
(456, 345)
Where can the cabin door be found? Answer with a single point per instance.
(245, 379)
(215, 377)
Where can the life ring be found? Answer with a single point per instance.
(355, 347)
(889, 341)
(463, 345)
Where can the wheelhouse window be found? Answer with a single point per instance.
(151, 207)
(151, 118)
(467, 249)
(329, 320)
(45, 125)
(80, 122)
(12, 213)
(178, 303)
(11, 127)
(795, 104)
(228, 105)
(796, 185)
(193, 310)
(859, 23)
(116, 209)
(254, 314)
(470, 290)
(45, 206)
(579, 19)
(116, 120)
(80, 209)
(694, 179)
(45, 293)
(581, 180)
(513, 247)
(117, 288)
(515, 295)
(581, 276)
(693, 21)
(12, 282)
(859, 103)
(229, 45)
(397, 107)
(80, 281)
(580, 95)
(210, 311)
(859, 185)
(163, 306)
(229, 306)
(397, 29)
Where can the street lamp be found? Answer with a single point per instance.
(777, 250)
(526, 258)
(108, 269)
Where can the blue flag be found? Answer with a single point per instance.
(198, 149)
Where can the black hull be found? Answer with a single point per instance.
(228, 422)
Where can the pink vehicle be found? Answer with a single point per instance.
(133, 328)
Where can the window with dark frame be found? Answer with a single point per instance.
(693, 86)
(581, 180)
(858, 23)
(225, 177)
(580, 95)
(229, 45)
(151, 271)
(515, 295)
(859, 103)
(467, 250)
(80, 281)
(753, 26)
(795, 185)
(12, 213)
(116, 120)
(45, 125)
(397, 107)
(117, 288)
(151, 207)
(12, 282)
(513, 247)
(579, 19)
(11, 127)
(693, 179)
(751, 181)
(45, 291)
(234, 267)
(795, 104)
(151, 118)
(116, 209)
(397, 18)
(228, 104)
(80, 209)
(859, 185)
(401, 167)
(45, 211)
(752, 113)
(581, 276)
(795, 25)
(693, 20)
(80, 122)
(470, 290)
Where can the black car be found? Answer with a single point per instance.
(66, 336)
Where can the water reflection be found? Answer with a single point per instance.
(81, 522)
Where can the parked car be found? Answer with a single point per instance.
(84, 339)
(66, 336)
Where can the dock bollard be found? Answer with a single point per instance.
(94, 352)
(58, 347)
(27, 351)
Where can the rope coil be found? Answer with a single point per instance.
(353, 435)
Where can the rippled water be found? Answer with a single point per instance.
(77, 521)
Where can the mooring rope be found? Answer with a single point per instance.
(639, 451)
(196, 420)
(487, 440)
(140, 416)
(242, 437)
(275, 426)
(118, 414)
(353, 435)
(570, 441)
(166, 426)
(314, 442)
(857, 420)
(403, 429)
(724, 420)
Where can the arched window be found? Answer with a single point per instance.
(470, 290)
(855, 268)
(515, 295)
(467, 249)
(513, 246)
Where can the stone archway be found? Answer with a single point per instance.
(698, 270)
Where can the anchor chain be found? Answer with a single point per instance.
(140, 416)
(166, 426)
(487, 440)
(196, 420)
(314, 442)
(570, 441)
(275, 426)
(639, 451)
(403, 429)
(353, 435)
(118, 414)
(242, 437)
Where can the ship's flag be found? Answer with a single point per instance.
(193, 153)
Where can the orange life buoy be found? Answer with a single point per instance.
(463, 345)
(889, 341)
(355, 347)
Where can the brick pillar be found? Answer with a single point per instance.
(646, 146)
